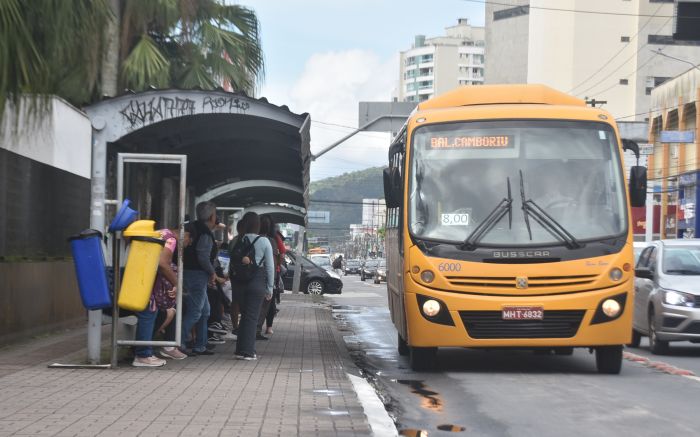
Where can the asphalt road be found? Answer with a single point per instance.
(518, 393)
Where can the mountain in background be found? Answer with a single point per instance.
(349, 187)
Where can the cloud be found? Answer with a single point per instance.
(329, 88)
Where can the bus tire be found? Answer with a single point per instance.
(403, 346)
(423, 359)
(608, 359)
(636, 338)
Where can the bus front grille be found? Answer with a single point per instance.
(533, 281)
(490, 325)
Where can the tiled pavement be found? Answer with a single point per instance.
(298, 386)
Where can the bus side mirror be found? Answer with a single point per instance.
(631, 145)
(392, 187)
(638, 185)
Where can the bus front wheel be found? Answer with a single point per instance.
(608, 359)
(423, 359)
(403, 346)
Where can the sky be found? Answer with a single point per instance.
(324, 57)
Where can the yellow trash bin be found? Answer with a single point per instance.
(141, 265)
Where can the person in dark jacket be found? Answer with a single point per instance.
(198, 264)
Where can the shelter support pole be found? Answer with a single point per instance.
(97, 221)
(296, 282)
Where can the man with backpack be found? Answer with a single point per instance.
(198, 264)
(252, 269)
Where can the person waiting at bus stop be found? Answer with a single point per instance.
(198, 265)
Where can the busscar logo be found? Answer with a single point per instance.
(521, 282)
(520, 253)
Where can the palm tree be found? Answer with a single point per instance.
(189, 44)
(65, 47)
(51, 47)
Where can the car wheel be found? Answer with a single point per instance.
(403, 346)
(422, 359)
(315, 286)
(362, 276)
(657, 347)
(636, 338)
(608, 359)
(376, 280)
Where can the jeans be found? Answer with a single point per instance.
(196, 308)
(144, 331)
(252, 296)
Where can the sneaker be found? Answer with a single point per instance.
(260, 337)
(246, 357)
(173, 353)
(215, 339)
(230, 336)
(148, 362)
(269, 331)
(217, 328)
(205, 352)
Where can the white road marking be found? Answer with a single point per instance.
(378, 418)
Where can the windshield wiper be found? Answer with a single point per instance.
(530, 208)
(503, 207)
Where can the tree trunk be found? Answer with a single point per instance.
(110, 61)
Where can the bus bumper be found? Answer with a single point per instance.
(476, 319)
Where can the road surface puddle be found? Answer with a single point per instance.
(410, 432)
(451, 428)
(430, 400)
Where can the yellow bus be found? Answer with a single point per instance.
(508, 226)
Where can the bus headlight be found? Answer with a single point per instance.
(615, 274)
(611, 308)
(427, 276)
(431, 308)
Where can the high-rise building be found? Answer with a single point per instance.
(594, 49)
(436, 65)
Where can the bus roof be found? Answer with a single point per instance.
(500, 94)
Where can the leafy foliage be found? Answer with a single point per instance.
(189, 44)
(51, 47)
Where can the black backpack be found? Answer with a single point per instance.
(239, 272)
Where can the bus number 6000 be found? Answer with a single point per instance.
(450, 267)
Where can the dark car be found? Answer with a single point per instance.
(352, 267)
(369, 268)
(380, 272)
(314, 279)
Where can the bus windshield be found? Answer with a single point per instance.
(460, 172)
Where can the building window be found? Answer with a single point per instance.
(624, 39)
(511, 12)
(624, 81)
(668, 40)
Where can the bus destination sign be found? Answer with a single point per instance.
(472, 142)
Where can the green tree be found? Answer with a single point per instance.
(51, 47)
(189, 44)
(65, 47)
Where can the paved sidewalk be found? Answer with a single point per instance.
(298, 386)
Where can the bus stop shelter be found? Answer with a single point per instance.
(241, 151)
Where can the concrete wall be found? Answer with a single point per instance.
(506, 51)
(37, 297)
(45, 163)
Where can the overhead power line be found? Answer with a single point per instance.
(613, 57)
(577, 11)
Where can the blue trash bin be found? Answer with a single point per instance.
(90, 270)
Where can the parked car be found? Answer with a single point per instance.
(667, 294)
(380, 272)
(352, 267)
(314, 279)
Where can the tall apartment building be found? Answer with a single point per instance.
(436, 65)
(608, 55)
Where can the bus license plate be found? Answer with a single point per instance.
(523, 313)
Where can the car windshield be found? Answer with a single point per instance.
(321, 260)
(681, 260)
(461, 171)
